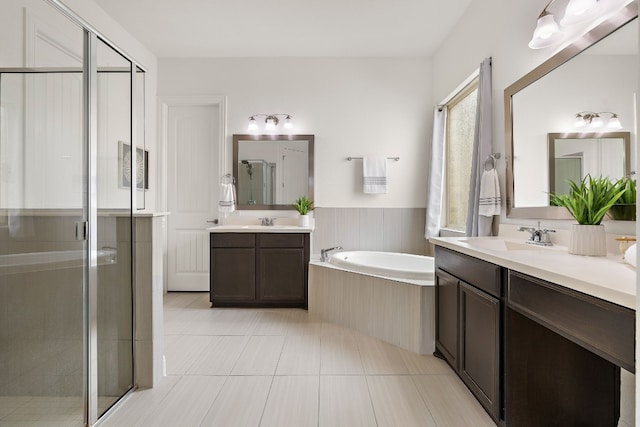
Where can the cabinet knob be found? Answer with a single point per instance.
(213, 221)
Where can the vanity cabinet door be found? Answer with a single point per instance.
(281, 274)
(447, 317)
(282, 269)
(233, 273)
(479, 360)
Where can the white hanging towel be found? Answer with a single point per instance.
(374, 174)
(489, 203)
(227, 203)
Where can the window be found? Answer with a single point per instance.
(460, 129)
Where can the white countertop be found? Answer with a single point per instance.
(251, 228)
(608, 278)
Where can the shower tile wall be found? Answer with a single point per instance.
(374, 229)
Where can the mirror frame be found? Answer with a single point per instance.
(624, 16)
(249, 137)
(552, 137)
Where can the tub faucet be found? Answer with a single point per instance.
(324, 253)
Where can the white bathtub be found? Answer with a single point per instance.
(390, 296)
(40, 261)
(386, 264)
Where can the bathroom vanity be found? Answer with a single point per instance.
(259, 266)
(538, 335)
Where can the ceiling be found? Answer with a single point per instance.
(287, 28)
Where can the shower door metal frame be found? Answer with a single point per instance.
(90, 206)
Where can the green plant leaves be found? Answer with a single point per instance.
(303, 205)
(589, 200)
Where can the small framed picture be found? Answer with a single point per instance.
(125, 166)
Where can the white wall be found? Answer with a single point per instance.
(353, 106)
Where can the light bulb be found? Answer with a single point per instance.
(547, 32)
(579, 11)
(253, 125)
(288, 123)
(614, 123)
(270, 124)
(596, 122)
(579, 122)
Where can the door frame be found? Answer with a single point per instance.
(162, 179)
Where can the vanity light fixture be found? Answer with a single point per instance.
(271, 122)
(592, 120)
(548, 32)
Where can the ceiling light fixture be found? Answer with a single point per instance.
(592, 120)
(271, 122)
(548, 32)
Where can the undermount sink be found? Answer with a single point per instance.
(500, 245)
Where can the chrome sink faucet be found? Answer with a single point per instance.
(324, 253)
(538, 236)
(267, 221)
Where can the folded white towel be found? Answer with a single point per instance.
(489, 203)
(374, 174)
(227, 198)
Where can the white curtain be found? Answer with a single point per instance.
(478, 225)
(436, 177)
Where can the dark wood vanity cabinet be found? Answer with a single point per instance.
(259, 269)
(533, 353)
(564, 348)
(469, 323)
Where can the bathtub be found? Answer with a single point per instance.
(41, 261)
(389, 296)
(386, 264)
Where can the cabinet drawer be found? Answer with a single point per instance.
(281, 240)
(602, 327)
(479, 273)
(233, 240)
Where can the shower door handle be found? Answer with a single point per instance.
(81, 230)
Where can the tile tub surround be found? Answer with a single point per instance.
(370, 229)
(281, 367)
(398, 312)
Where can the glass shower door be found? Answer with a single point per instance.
(119, 167)
(43, 254)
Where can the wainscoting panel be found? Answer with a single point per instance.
(372, 229)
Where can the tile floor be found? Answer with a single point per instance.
(278, 367)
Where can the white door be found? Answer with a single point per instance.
(192, 192)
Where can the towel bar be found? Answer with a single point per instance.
(397, 159)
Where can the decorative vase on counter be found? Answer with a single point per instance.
(304, 220)
(588, 240)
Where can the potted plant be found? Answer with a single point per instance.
(624, 209)
(303, 205)
(588, 202)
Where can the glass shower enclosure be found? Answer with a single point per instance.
(70, 180)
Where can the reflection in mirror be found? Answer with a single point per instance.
(272, 171)
(596, 73)
(572, 156)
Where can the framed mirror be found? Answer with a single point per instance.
(598, 72)
(572, 156)
(272, 171)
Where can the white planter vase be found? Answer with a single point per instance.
(588, 240)
(304, 220)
